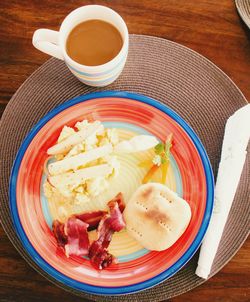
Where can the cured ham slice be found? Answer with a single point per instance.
(58, 230)
(92, 219)
(78, 240)
(99, 256)
(120, 200)
(73, 235)
(115, 220)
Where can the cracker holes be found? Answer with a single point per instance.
(135, 231)
(165, 197)
(142, 205)
(165, 226)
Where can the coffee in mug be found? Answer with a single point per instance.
(94, 42)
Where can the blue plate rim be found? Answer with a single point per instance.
(99, 290)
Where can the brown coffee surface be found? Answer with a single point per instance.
(94, 42)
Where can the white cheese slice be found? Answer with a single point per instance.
(71, 180)
(74, 139)
(74, 162)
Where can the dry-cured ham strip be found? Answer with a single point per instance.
(92, 219)
(98, 253)
(119, 199)
(115, 220)
(73, 235)
(78, 240)
(99, 256)
(58, 230)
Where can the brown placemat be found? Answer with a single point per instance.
(173, 74)
(243, 8)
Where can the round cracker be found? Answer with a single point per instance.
(156, 216)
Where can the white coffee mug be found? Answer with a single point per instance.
(54, 43)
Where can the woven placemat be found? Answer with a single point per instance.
(175, 75)
(243, 7)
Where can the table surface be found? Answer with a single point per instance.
(211, 27)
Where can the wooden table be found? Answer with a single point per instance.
(211, 27)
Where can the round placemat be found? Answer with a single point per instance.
(243, 7)
(166, 71)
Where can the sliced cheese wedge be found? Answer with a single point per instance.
(74, 162)
(78, 177)
(74, 139)
(136, 144)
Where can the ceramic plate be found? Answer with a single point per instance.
(190, 175)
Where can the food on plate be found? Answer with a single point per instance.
(58, 231)
(83, 165)
(73, 237)
(76, 161)
(156, 216)
(75, 138)
(92, 219)
(120, 201)
(67, 182)
(99, 256)
(136, 144)
(165, 157)
(161, 159)
(77, 237)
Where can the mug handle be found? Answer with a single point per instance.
(46, 40)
